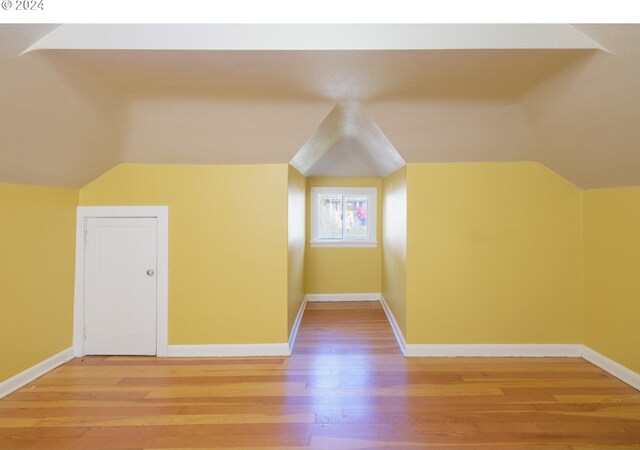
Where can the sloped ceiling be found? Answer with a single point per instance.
(348, 143)
(84, 98)
(58, 126)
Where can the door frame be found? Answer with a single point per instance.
(161, 214)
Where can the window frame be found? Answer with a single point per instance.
(372, 216)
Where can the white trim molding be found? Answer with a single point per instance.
(478, 350)
(494, 350)
(162, 270)
(608, 365)
(365, 297)
(221, 350)
(511, 350)
(394, 325)
(25, 377)
(337, 244)
(296, 325)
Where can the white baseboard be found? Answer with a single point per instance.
(366, 297)
(296, 325)
(215, 350)
(494, 350)
(229, 350)
(394, 326)
(608, 365)
(26, 377)
(511, 350)
(480, 350)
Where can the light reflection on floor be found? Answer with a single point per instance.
(345, 359)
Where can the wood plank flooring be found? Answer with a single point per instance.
(347, 386)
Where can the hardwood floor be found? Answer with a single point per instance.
(346, 386)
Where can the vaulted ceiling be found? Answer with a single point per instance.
(77, 100)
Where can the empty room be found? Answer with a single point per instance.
(322, 236)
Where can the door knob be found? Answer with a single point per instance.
(150, 272)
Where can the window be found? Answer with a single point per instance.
(343, 217)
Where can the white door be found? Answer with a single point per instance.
(120, 286)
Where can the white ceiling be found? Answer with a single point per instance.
(88, 97)
(312, 37)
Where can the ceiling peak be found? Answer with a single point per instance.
(348, 143)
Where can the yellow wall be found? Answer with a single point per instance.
(37, 264)
(227, 245)
(612, 274)
(494, 254)
(343, 270)
(470, 253)
(394, 245)
(297, 243)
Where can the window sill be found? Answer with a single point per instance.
(345, 244)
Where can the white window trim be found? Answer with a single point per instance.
(372, 212)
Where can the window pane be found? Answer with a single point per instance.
(356, 224)
(329, 217)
